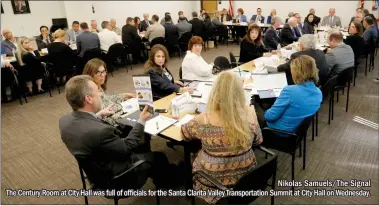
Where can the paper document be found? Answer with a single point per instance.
(157, 124)
(184, 120)
(130, 105)
(205, 89)
(144, 93)
(270, 81)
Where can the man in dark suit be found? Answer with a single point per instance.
(44, 39)
(225, 16)
(86, 40)
(90, 139)
(145, 22)
(198, 26)
(271, 39)
(170, 29)
(288, 34)
(258, 17)
(299, 26)
(308, 47)
(131, 38)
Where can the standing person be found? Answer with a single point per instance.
(44, 39)
(86, 40)
(73, 33)
(181, 14)
(114, 27)
(272, 14)
(308, 25)
(331, 20)
(258, 18)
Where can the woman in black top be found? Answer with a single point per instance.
(251, 45)
(355, 39)
(308, 25)
(162, 81)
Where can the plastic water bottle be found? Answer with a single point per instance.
(278, 47)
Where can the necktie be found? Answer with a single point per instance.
(299, 28)
(147, 22)
(331, 21)
(293, 32)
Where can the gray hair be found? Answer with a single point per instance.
(77, 88)
(291, 14)
(194, 14)
(308, 41)
(275, 19)
(104, 24)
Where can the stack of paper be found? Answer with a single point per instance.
(158, 124)
(270, 81)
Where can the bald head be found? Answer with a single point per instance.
(7, 34)
(146, 16)
(113, 23)
(292, 21)
(332, 11)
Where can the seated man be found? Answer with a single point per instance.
(331, 20)
(308, 47)
(288, 33)
(271, 39)
(163, 21)
(339, 56)
(107, 37)
(73, 33)
(9, 45)
(370, 35)
(44, 39)
(258, 18)
(155, 29)
(86, 40)
(88, 138)
(183, 26)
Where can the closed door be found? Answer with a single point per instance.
(209, 6)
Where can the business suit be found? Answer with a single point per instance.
(144, 25)
(271, 39)
(317, 55)
(131, 38)
(254, 18)
(299, 30)
(340, 58)
(161, 84)
(288, 35)
(224, 18)
(8, 47)
(183, 27)
(370, 37)
(170, 30)
(294, 104)
(43, 44)
(308, 28)
(336, 21)
(71, 36)
(198, 27)
(86, 41)
(155, 30)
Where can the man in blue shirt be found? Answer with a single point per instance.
(371, 33)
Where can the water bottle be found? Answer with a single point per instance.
(278, 47)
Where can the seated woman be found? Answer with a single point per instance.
(240, 16)
(272, 14)
(193, 66)
(308, 25)
(252, 45)
(295, 102)
(61, 55)
(162, 81)
(32, 68)
(240, 31)
(137, 23)
(227, 131)
(355, 40)
(97, 69)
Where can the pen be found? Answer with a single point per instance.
(157, 125)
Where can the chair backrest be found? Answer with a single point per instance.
(95, 174)
(116, 50)
(328, 87)
(222, 63)
(345, 76)
(180, 73)
(254, 180)
(222, 30)
(184, 39)
(91, 54)
(304, 126)
(172, 40)
(233, 60)
(158, 40)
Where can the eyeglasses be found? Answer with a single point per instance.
(99, 73)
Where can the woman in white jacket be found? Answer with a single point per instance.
(193, 66)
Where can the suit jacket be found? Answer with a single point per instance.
(154, 31)
(144, 25)
(294, 104)
(8, 47)
(308, 28)
(86, 41)
(287, 36)
(299, 28)
(183, 27)
(216, 22)
(340, 58)
(228, 17)
(254, 18)
(271, 39)
(269, 20)
(171, 30)
(161, 84)
(71, 37)
(91, 139)
(41, 44)
(198, 27)
(336, 21)
(61, 56)
(249, 51)
(130, 35)
(318, 56)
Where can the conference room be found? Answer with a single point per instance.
(189, 102)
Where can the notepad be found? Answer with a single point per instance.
(158, 124)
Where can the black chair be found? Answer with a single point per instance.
(9, 78)
(256, 179)
(115, 52)
(210, 35)
(172, 42)
(158, 40)
(128, 51)
(222, 33)
(233, 61)
(343, 80)
(222, 63)
(288, 142)
(100, 180)
(88, 55)
(184, 39)
(370, 57)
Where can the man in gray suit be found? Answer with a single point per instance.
(86, 40)
(155, 29)
(90, 139)
(339, 56)
(331, 20)
(73, 33)
(183, 26)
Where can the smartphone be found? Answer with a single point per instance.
(161, 110)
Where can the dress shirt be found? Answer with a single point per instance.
(117, 30)
(107, 39)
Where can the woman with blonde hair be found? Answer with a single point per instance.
(272, 14)
(162, 81)
(32, 68)
(227, 131)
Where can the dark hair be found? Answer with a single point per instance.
(136, 21)
(180, 12)
(257, 41)
(240, 10)
(155, 17)
(150, 64)
(336, 36)
(366, 12)
(357, 27)
(92, 67)
(167, 18)
(43, 27)
(306, 18)
(75, 22)
(167, 13)
(84, 25)
(259, 9)
(182, 18)
(194, 14)
(129, 20)
(195, 40)
(369, 20)
(207, 17)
